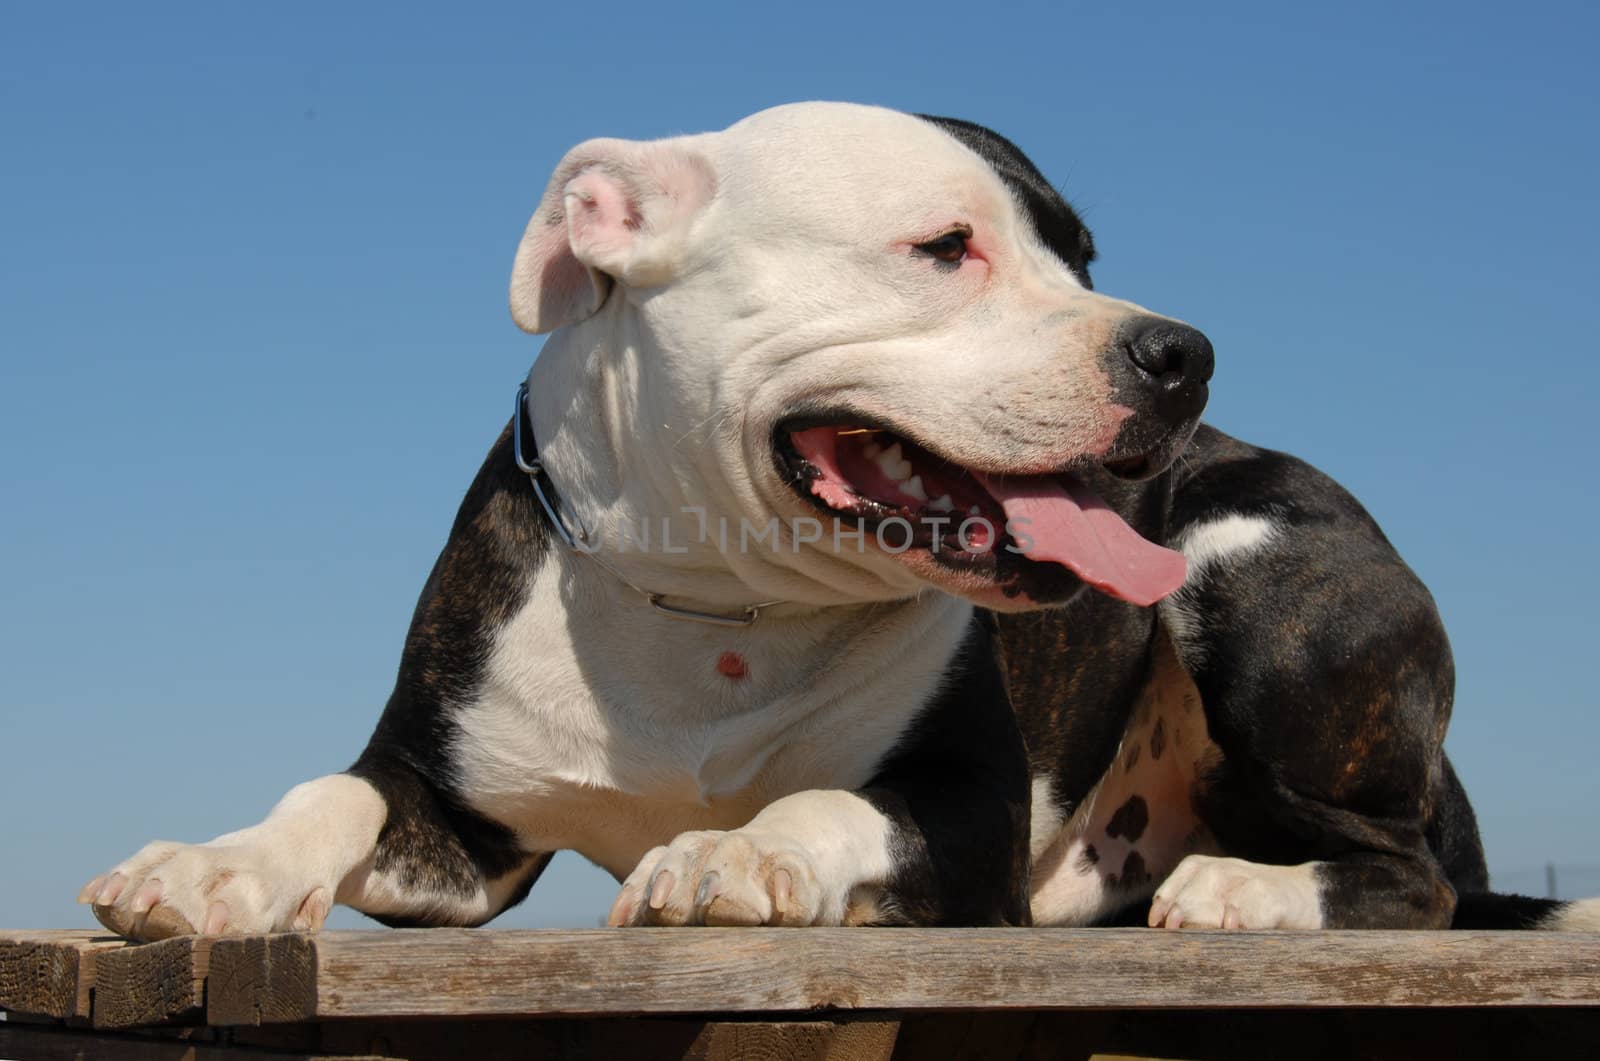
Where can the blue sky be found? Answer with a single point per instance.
(254, 343)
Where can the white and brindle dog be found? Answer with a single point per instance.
(817, 581)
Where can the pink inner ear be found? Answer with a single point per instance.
(601, 220)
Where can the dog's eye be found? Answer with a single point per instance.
(950, 248)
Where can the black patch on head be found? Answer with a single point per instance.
(1057, 224)
(1158, 738)
(1129, 820)
(1087, 858)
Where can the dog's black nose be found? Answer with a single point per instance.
(1175, 362)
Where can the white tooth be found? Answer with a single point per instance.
(887, 460)
(893, 464)
(871, 450)
(974, 511)
(913, 486)
(942, 503)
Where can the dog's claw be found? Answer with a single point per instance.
(313, 911)
(782, 891)
(710, 888)
(87, 893)
(623, 909)
(216, 919)
(148, 895)
(661, 888)
(110, 890)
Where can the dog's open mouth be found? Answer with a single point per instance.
(910, 498)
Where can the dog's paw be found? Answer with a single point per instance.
(1210, 892)
(744, 877)
(171, 889)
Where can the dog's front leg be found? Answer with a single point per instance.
(812, 858)
(280, 875)
(938, 836)
(380, 839)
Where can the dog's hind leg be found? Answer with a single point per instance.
(1326, 680)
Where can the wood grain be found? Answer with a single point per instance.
(152, 983)
(464, 972)
(51, 972)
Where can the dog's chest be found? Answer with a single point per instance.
(604, 726)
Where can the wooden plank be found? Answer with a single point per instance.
(51, 972)
(152, 983)
(465, 972)
(273, 979)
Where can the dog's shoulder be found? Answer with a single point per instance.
(1271, 541)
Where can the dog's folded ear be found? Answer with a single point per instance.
(616, 211)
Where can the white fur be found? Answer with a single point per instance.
(1204, 544)
(1046, 817)
(1225, 540)
(279, 875)
(1207, 891)
(831, 848)
(1580, 915)
(608, 729)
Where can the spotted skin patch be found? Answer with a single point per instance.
(1139, 821)
(1129, 820)
(1133, 872)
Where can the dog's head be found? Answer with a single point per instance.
(839, 315)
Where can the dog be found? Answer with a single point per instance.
(849, 559)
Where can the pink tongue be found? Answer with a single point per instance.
(1071, 526)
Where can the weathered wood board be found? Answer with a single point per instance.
(839, 994)
(448, 972)
(152, 983)
(51, 973)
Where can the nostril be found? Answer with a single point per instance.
(1173, 353)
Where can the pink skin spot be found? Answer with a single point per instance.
(732, 665)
